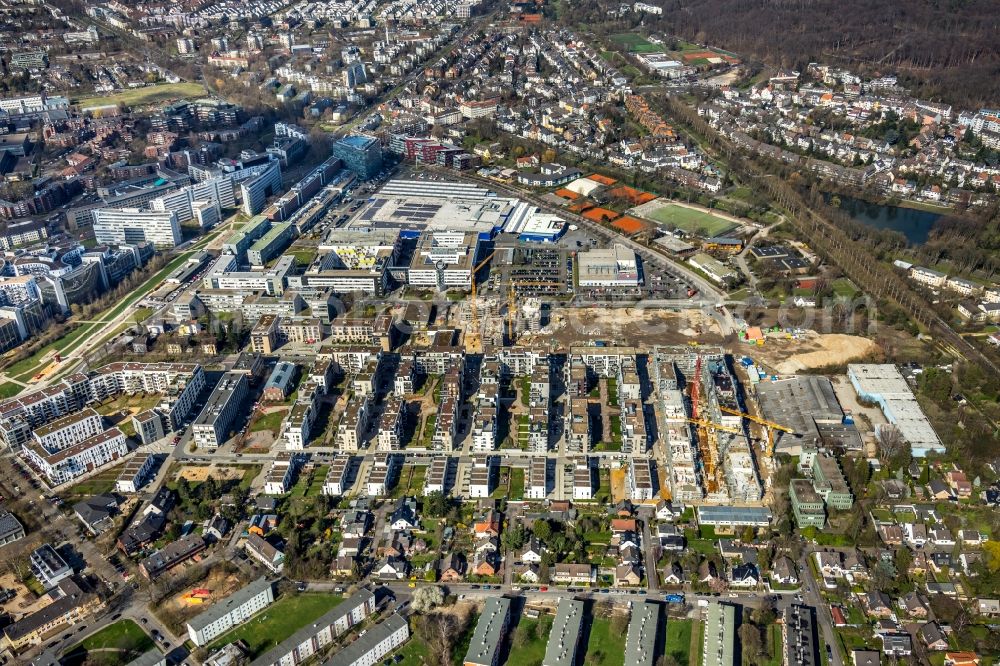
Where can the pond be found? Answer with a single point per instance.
(914, 224)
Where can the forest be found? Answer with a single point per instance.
(941, 49)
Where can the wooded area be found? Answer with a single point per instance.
(942, 50)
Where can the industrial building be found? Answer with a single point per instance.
(712, 267)
(883, 384)
(808, 405)
(230, 612)
(616, 266)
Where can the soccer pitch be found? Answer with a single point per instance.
(690, 220)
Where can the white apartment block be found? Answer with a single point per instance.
(390, 427)
(297, 426)
(583, 481)
(537, 486)
(353, 425)
(67, 464)
(481, 476)
(382, 475)
(370, 648)
(927, 276)
(230, 612)
(335, 483)
(69, 430)
(437, 475)
(135, 473)
(640, 479)
(131, 225)
(279, 477)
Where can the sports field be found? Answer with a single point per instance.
(146, 95)
(690, 220)
(635, 43)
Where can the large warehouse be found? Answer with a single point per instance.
(616, 266)
(809, 406)
(883, 384)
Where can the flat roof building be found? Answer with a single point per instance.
(641, 640)
(376, 643)
(120, 226)
(232, 611)
(564, 637)
(719, 643)
(800, 636)
(212, 426)
(484, 648)
(617, 266)
(883, 384)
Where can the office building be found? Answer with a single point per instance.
(361, 155)
(213, 425)
(258, 188)
(807, 504)
(130, 225)
(484, 648)
(230, 612)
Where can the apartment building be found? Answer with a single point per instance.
(48, 566)
(482, 476)
(538, 484)
(230, 612)
(71, 606)
(719, 640)
(135, 474)
(213, 425)
(297, 427)
(353, 424)
(380, 640)
(69, 430)
(564, 637)
(317, 635)
(583, 480)
(436, 480)
(641, 639)
(390, 426)
(63, 465)
(640, 479)
(484, 648)
(335, 483)
(383, 475)
(264, 335)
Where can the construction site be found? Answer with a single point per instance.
(707, 435)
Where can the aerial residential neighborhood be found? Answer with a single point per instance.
(483, 333)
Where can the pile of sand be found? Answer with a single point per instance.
(834, 349)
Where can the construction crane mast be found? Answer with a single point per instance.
(474, 337)
(769, 427)
(511, 315)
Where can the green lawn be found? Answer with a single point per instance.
(678, 644)
(516, 484)
(118, 643)
(147, 95)
(102, 482)
(270, 422)
(635, 43)
(279, 621)
(843, 287)
(532, 652)
(10, 389)
(414, 652)
(692, 221)
(606, 647)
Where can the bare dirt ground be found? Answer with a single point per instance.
(25, 602)
(640, 326)
(814, 350)
(217, 472)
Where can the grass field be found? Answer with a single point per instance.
(9, 389)
(635, 43)
(270, 422)
(532, 652)
(690, 220)
(279, 621)
(147, 95)
(117, 643)
(102, 482)
(605, 647)
(678, 643)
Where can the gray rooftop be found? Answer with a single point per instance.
(720, 634)
(151, 658)
(489, 631)
(353, 653)
(799, 403)
(640, 644)
(283, 648)
(565, 634)
(225, 606)
(736, 515)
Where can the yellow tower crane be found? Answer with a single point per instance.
(474, 337)
(769, 427)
